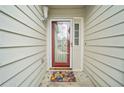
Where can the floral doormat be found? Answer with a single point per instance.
(62, 76)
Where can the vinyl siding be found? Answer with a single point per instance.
(22, 46)
(104, 45)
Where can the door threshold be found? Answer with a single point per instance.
(60, 68)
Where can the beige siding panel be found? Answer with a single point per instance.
(97, 78)
(11, 40)
(109, 41)
(18, 15)
(9, 55)
(116, 30)
(92, 10)
(114, 52)
(22, 46)
(19, 66)
(108, 61)
(115, 75)
(23, 75)
(33, 76)
(111, 12)
(29, 13)
(36, 12)
(107, 23)
(104, 82)
(12, 25)
(40, 10)
(91, 78)
(39, 78)
(104, 46)
(98, 14)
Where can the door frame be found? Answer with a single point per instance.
(50, 43)
(81, 40)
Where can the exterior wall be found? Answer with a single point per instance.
(104, 45)
(22, 46)
(54, 12)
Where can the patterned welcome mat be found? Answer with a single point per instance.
(62, 76)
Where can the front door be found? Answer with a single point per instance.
(61, 43)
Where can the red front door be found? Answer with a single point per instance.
(60, 43)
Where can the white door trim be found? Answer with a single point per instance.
(81, 38)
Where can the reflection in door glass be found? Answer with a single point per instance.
(61, 41)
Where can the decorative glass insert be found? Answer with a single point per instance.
(62, 37)
(76, 34)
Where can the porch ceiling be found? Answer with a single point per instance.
(65, 6)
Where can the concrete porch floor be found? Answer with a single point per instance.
(82, 81)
